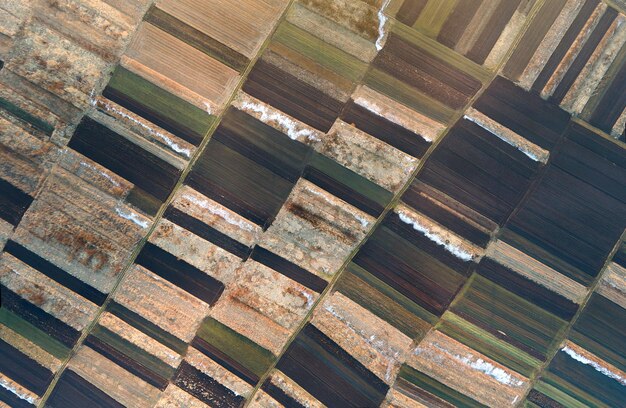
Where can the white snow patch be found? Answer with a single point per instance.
(174, 358)
(7, 386)
(319, 194)
(390, 366)
(378, 111)
(364, 222)
(105, 175)
(492, 371)
(573, 354)
(382, 20)
(377, 344)
(219, 212)
(481, 365)
(289, 124)
(309, 298)
(175, 146)
(380, 345)
(453, 249)
(92, 97)
(132, 217)
(208, 107)
(531, 155)
(615, 285)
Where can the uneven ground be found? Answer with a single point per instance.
(342, 203)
